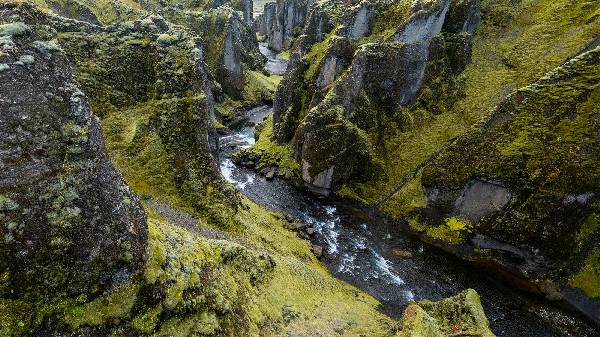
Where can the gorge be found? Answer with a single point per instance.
(299, 168)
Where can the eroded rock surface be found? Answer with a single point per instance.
(375, 83)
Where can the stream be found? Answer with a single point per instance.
(367, 250)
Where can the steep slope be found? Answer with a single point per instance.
(231, 49)
(79, 256)
(70, 225)
(453, 74)
(150, 85)
(529, 177)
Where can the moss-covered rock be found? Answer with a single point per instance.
(149, 83)
(71, 227)
(229, 45)
(281, 21)
(331, 150)
(460, 315)
(384, 87)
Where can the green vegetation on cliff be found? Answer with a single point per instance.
(513, 46)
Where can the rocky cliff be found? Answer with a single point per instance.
(281, 21)
(78, 255)
(372, 73)
(231, 48)
(379, 107)
(150, 79)
(71, 227)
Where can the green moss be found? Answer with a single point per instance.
(446, 234)
(515, 45)
(588, 277)
(528, 144)
(6, 204)
(201, 324)
(167, 39)
(146, 321)
(316, 56)
(386, 22)
(588, 228)
(259, 88)
(459, 315)
(284, 55)
(15, 317)
(268, 152)
(157, 255)
(109, 309)
(453, 231)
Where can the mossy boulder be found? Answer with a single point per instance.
(70, 224)
(331, 150)
(460, 315)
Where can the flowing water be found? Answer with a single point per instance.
(376, 255)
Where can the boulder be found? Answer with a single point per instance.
(331, 150)
(460, 315)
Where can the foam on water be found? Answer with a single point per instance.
(227, 170)
(384, 266)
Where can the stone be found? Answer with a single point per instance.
(460, 315)
(270, 175)
(403, 254)
(317, 250)
(480, 199)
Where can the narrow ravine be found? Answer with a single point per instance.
(374, 254)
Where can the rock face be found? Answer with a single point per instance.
(231, 47)
(374, 83)
(70, 224)
(461, 315)
(149, 77)
(330, 149)
(529, 176)
(282, 20)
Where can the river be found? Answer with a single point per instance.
(375, 254)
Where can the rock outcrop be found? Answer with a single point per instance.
(460, 315)
(149, 77)
(376, 83)
(282, 21)
(231, 47)
(70, 224)
(528, 177)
